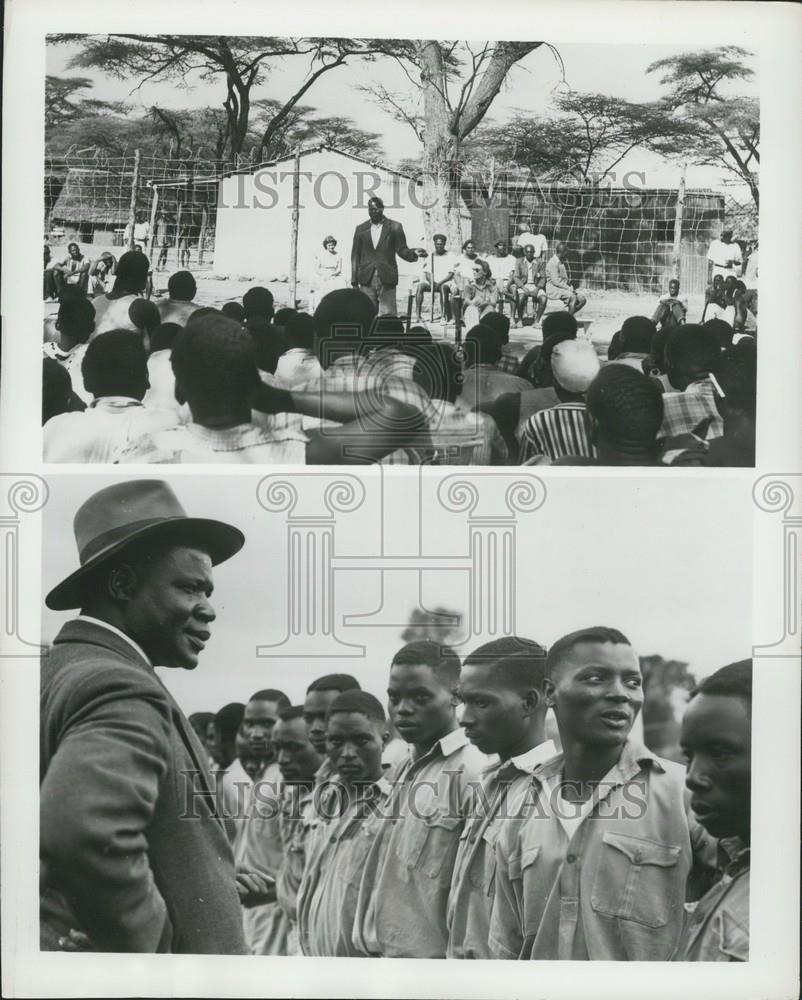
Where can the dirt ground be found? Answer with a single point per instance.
(605, 310)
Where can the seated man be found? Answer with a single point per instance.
(626, 411)
(744, 321)
(441, 265)
(509, 360)
(57, 394)
(529, 278)
(671, 310)
(632, 344)
(72, 270)
(459, 437)
(215, 364)
(356, 733)
(564, 429)
(179, 306)
(579, 875)
(298, 364)
(716, 739)
(483, 381)
(101, 274)
(558, 285)
(716, 304)
(161, 393)
(691, 353)
(115, 371)
(75, 323)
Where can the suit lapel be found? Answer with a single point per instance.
(384, 233)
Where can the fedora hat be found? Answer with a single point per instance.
(118, 515)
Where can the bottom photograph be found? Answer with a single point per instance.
(464, 717)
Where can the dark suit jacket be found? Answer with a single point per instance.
(132, 850)
(521, 272)
(365, 259)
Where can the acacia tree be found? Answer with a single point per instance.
(726, 126)
(243, 62)
(454, 85)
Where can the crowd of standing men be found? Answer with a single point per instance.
(468, 833)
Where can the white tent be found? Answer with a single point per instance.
(254, 212)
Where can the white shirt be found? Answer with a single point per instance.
(438, 265)
(242, 444)
(72, 361)
(463, 266)
(501, 267)
(161, 394)
(536, 240)
(102, 432)
(724, 256)
(750, 276)
(376, 232)
(297, 365)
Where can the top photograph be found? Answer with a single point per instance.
(264, 250)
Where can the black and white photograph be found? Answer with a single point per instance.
(349, 250)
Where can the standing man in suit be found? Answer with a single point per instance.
(134, 857)
(373, 267)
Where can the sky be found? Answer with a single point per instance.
(617, 70)
(664, 559)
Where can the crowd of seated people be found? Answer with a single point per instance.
(248, 383)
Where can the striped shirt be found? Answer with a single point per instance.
(558, 431)
(684, 411)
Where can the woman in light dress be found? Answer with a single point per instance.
(480, 294)
(328, 272)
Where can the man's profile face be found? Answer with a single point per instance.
(168, 612)
(421, 707)
(439, 244)
(257, 728)
(316, 704)
(597, 692)
(494, 716)
(297, 758)
(375, 211)
(354, 745)
(716, 739)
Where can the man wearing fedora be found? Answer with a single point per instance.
(134, 857)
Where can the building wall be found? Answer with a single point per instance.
(254, 214)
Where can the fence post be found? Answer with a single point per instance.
(678, 212)
(132, 205)
(296, 188)
(153, 206)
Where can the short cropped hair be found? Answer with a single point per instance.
(734, 679)
(358, 701)
(258, 301)
(164, 337)
(596, 633)
(483, 345)
(437, 371)
(299, 330)
(692, 348)
(181, 286)
(626, 404)
(376, 200)
(637, 333)
(343, 319)
(76, 318)
(271, 694)
(723, 331)
(439, 236)
(334, 682)
(441, 659)
(214, 359)
(144, 315)
(229, 719)
(233, 310)
(291, 712)
(116, 364)
(269, 341)
(515, 662)
(498, 322)
(559, 323)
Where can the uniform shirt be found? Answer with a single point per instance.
(608, 887)
(464, 437)
(297, 821)
(717, 926)
(243, 444)
(470, 901)
(336, 853)
(557, 432)
(684, 411)
(724, 256)
(104, 432)
(258, 848)
(403, 895)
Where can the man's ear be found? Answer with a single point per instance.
(532, 698)
(385, 737)
(549, 692)
(121, 583)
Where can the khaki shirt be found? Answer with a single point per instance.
(403, 896)
(614, 889)
(717, 926)
(335, 858)
(297, 822)
(470, 901)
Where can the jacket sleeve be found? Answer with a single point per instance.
(400, 242)
(97, 800)
(355, 257)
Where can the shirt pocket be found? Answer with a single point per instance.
(431, 846)
(636, 880)
(358, 850)
(490, 836)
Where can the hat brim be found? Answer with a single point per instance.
(219, 539)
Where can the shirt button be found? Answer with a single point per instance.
(570, 858)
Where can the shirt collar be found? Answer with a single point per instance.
(116, 631)
(733, 855)
(526, 762)
(114, 402)
(453, 741)
(634, 758)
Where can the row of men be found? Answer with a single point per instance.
(485, 840)
(248, 383)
